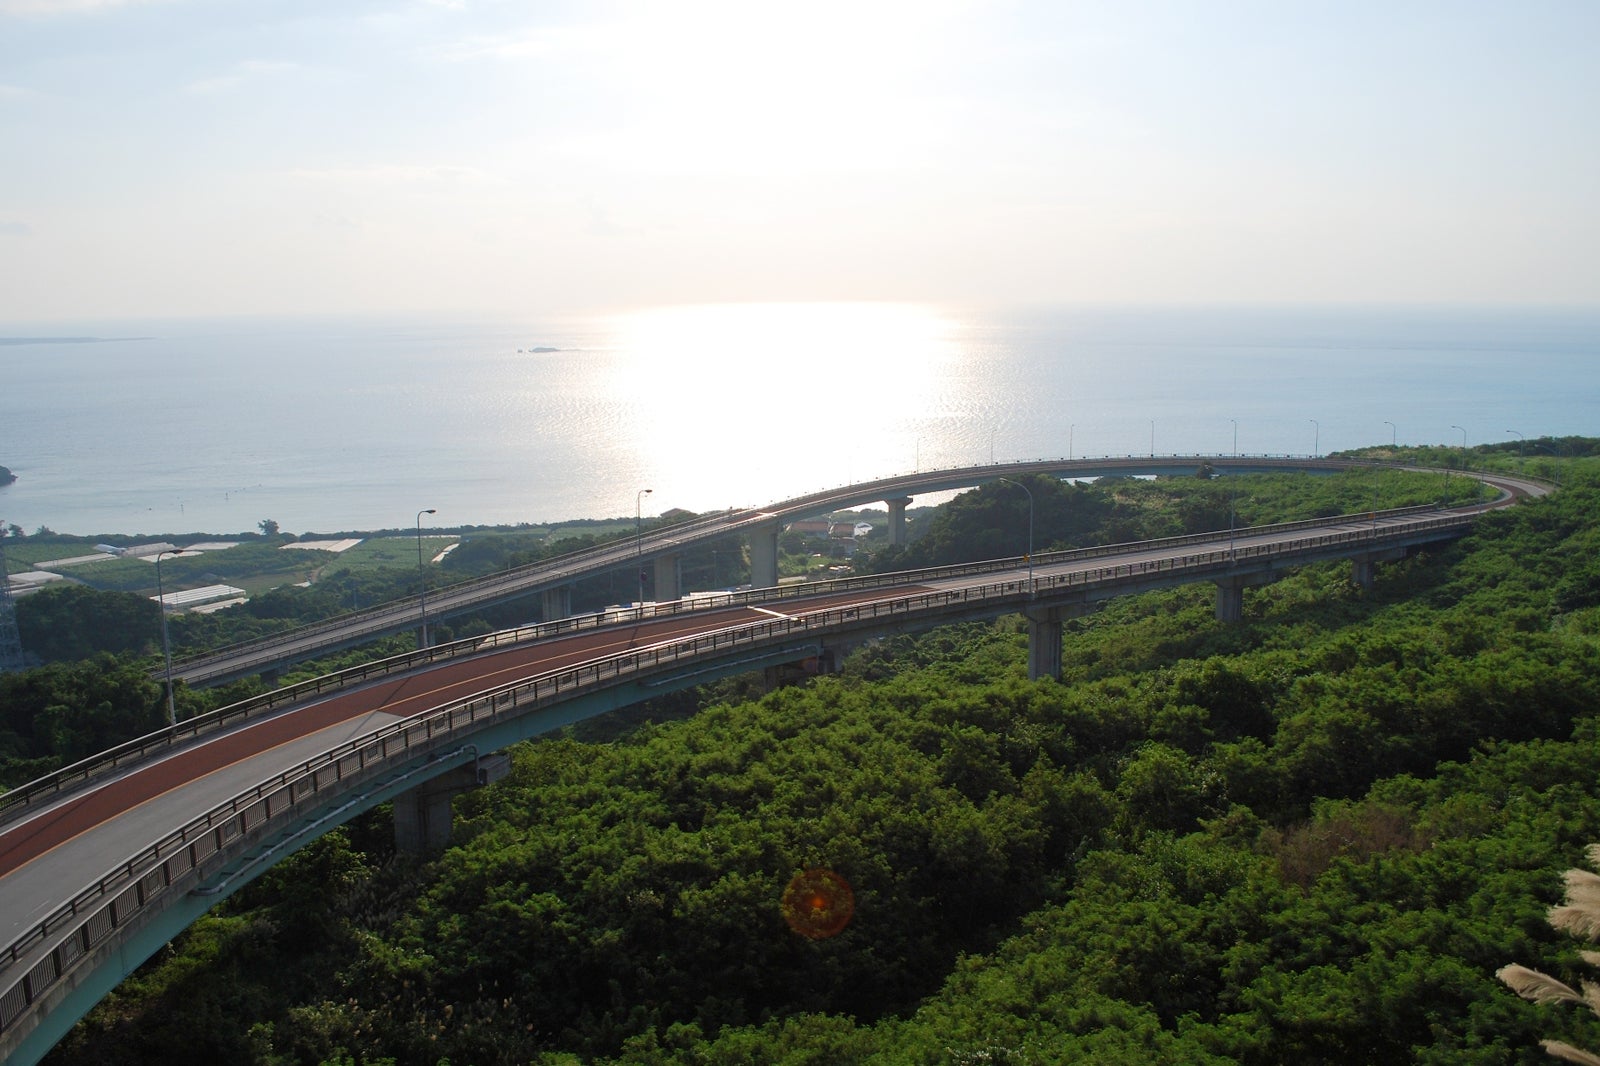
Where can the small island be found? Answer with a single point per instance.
(6, 476)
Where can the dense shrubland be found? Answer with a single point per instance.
(1313, 837)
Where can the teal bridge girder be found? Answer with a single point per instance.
(62, 965)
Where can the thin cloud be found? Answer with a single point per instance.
(249, 70)
(396, 175)
(67, 7)
(543, 43)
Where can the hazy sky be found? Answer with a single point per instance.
(220, 156)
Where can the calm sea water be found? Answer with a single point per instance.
(348, 424)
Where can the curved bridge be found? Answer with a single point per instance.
(156, 831)
(662, 548)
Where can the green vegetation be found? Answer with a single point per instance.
(1310, 837)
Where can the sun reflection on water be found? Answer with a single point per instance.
(741, 403)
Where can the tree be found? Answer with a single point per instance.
(268, 527)
(75, 622)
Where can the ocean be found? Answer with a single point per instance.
(352, 424)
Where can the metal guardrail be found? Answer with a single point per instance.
(381, 619)
(184, 858)
(18, 801)
(527, 579)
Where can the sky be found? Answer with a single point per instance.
(280, 157)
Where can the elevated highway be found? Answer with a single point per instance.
(104, 862)
(662, 549)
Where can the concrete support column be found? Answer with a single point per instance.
(1230, 600)
(422, 816)
(764, 556)
(897, 519)
(1044, 643)
(1364, 568)
(836, 649)
(669, 577)
(557, 603)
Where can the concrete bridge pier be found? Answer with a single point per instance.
(1230, 599)
(557, 602)
(422, 815)
(1044, 642)
(897, 519)
(1364, 568)
(764, 555)
(1230, 593)
(669, 577)
(836, 649)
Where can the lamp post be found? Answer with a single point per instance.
(422, 632)
(1152, 438)
(1555, 452)
(638, 535)
(1316, 439)
(1517, 433)
(1024, 488)
(1393, 435)
(1463, 458)
(1232, 501)
(166, 644)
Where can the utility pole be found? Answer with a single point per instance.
(10, 639)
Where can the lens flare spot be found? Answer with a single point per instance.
(818, 904)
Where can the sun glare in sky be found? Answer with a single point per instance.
(185, 157)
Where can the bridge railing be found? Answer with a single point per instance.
(180, 859)
(387, 617)
(19, 801)
(382, 619)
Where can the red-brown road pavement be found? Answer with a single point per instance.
(37, 872)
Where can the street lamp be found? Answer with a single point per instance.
(638, 535)
(1024, 488)
(166, 644)
(1555, 451)
(1463, 458)
(1517, 433)
(1316, 439)
(1232, 489)
(1393, 434)
(1152, 438)
(422, 632)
